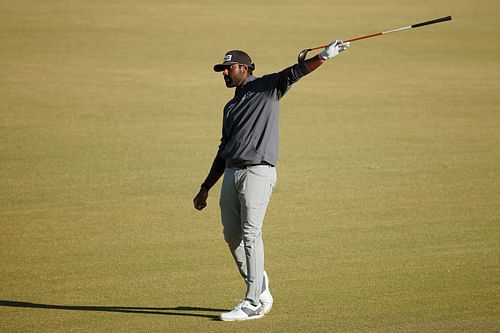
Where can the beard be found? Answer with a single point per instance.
(233, 80)
(229, 82)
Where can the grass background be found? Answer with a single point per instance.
(386, 214)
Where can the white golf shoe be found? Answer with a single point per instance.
(265, 297)
(244, 311)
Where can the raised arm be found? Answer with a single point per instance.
(292, 74)
(329, 52)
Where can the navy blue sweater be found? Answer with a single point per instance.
(250, 130)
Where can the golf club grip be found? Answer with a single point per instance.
(421, 24)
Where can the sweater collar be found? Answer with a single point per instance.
(249, 79)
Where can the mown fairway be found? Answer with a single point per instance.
(386, 217)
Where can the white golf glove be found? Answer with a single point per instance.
(333, 49)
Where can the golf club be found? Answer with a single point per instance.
(303, 53)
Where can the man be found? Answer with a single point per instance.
(247, 157)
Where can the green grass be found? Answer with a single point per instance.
(387, 209)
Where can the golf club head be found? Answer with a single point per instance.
(302, 55)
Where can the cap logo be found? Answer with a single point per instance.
(228, 57)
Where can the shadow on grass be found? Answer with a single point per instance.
(186, 311)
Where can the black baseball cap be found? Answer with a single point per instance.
(234, 57)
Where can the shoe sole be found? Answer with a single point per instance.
(242, 319)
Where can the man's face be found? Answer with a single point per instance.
(235, 75)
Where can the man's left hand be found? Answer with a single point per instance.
(333, 49)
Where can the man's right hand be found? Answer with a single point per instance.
(200, 200)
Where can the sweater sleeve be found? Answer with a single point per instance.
(287, 77)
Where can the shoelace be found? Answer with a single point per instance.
(242, 304)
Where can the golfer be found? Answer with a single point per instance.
(247, 157)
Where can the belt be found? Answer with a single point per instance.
(242, 166)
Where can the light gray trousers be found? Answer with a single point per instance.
(245, 194)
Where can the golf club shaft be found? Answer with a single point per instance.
(416, 25)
